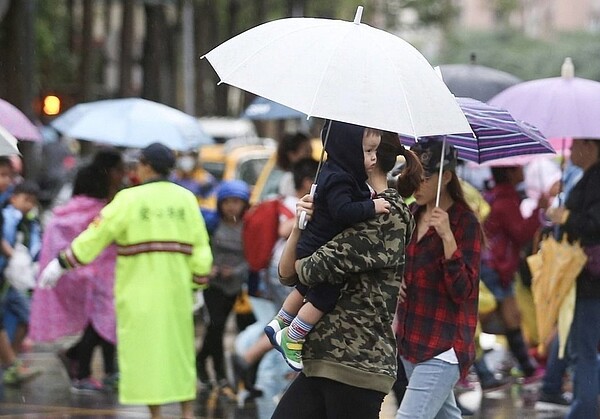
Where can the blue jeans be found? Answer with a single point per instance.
(555, 369)
(584, 340)
(429, 393)
(15, 311)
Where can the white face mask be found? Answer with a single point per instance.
(186, 163)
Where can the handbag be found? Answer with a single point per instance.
(244, 316)
(20, 271)
(592, 265)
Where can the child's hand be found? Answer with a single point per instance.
(381, 206)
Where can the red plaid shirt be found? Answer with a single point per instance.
(440, 309)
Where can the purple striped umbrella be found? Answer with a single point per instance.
(497, 134)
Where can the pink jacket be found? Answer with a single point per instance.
(82, 296)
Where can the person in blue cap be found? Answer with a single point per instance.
(229, 273)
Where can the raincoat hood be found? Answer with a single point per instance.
(344, 148)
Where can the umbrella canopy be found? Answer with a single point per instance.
(554, 271)
(8, 143)
(497, 134)
(565, 106)
(262, 109)
(17, 123)
(132, 122)
(476, 81)
(344, 71)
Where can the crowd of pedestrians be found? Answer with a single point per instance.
(385, 275)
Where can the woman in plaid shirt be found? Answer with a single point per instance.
(437, 318)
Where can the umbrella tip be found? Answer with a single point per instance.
(358, 15)
(567, 71)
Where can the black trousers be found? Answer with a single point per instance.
(83, 350)
(219, 306)
(322, 398)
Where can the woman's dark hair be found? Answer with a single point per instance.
(387, 153)
(305, 168)
(106, 159)
(93, 180)
(500, 174)
(89, 181)
(289, 143)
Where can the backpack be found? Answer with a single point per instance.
(260, 232)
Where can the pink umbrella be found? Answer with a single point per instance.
(560, 107)
(17, 123)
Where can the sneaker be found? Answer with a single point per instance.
(86, 385)
(17, 374)
(111, 381)
(272, 329)
(71, 365)
(464, 411)
(290, 349)
(494, 384)
(560, 399)
(226, 390)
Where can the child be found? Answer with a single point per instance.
(342, 199)
(14, 371)
(19, 220)
(229, 274)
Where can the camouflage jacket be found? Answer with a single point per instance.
(355, 343)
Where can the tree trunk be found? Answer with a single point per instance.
(86, 65)
(16, 65)
(126, 53)
(157, 57)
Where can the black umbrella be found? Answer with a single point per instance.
(476, 81)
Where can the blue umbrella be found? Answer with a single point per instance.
(497, 134)
(132, 122)
(265, 109)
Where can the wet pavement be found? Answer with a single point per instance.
(49, 396)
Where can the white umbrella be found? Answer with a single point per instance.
(344, 71)
(8, 143)
(132, 122)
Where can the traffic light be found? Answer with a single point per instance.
(51, 105)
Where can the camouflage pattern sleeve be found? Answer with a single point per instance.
(360, 248)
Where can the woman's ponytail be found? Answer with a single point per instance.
(411, 175)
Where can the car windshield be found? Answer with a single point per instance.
(271, 188)
(248, 170)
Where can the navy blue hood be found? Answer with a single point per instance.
(344, 148)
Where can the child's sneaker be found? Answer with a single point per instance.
(111, 381)
(290, 349)
(87, 385)
(17, 373)
(272, 329)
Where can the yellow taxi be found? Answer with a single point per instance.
(267, 184)
(242, 160)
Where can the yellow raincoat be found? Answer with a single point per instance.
(162, 244)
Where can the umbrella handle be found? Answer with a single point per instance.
(302, 221)
(439, 185)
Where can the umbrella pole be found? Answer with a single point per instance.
(439, 185)
(302, 221)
